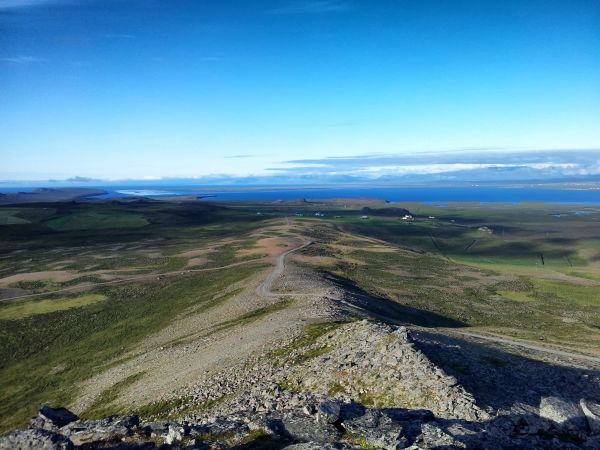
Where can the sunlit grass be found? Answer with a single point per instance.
(28, 308)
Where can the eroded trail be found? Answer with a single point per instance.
(204, 342)
(265, 288)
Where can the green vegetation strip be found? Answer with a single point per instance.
(102, 404)
(27, 308)
(93, 220)
(302, 344)
(252, 315)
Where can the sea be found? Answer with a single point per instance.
(390, 194)
(478, 194)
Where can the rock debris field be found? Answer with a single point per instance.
(342, 390)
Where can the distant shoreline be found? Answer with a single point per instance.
(391, 194)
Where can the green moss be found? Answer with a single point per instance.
(358, 440)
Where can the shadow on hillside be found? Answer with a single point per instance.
(503, 380)
(387, 310)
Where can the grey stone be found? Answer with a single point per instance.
(432, 436)
(309, 410)
(402, 334)
(564, 413)
(155, 429)
(111, 429)
(328, 412)
(591, 410)
(377, 429)
(302, 428)
(175, 434)
(34, 440)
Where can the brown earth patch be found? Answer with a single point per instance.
(271, 246)
(315, 260)
(197, 252)
(199, 261)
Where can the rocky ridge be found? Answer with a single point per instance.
(352, 385)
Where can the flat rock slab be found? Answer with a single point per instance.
(57, 416)
(565, 413)
(307, 429)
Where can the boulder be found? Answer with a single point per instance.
(433, 436)
(155, 429)
(591, 410)
(112, 429)
(175, 434)
(58, 417)
(402, 334)
(328, 412)
(567, 415)
(376, 430)
(302, 428)
(35, 440)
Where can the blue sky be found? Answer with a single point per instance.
(147, 89)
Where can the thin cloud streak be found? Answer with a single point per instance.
(21, 60)
(118, 36)
(16, 4)
(460, 165)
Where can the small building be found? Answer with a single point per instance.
(407, 217)
(364, 217)
(485, 230)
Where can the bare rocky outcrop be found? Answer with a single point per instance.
(378, 365)
(353, 387)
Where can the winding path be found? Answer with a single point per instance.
(526, 345)
(264, 289)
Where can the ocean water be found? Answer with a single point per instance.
(391, 194)
(442, 195)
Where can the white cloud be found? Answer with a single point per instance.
(428, 169)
